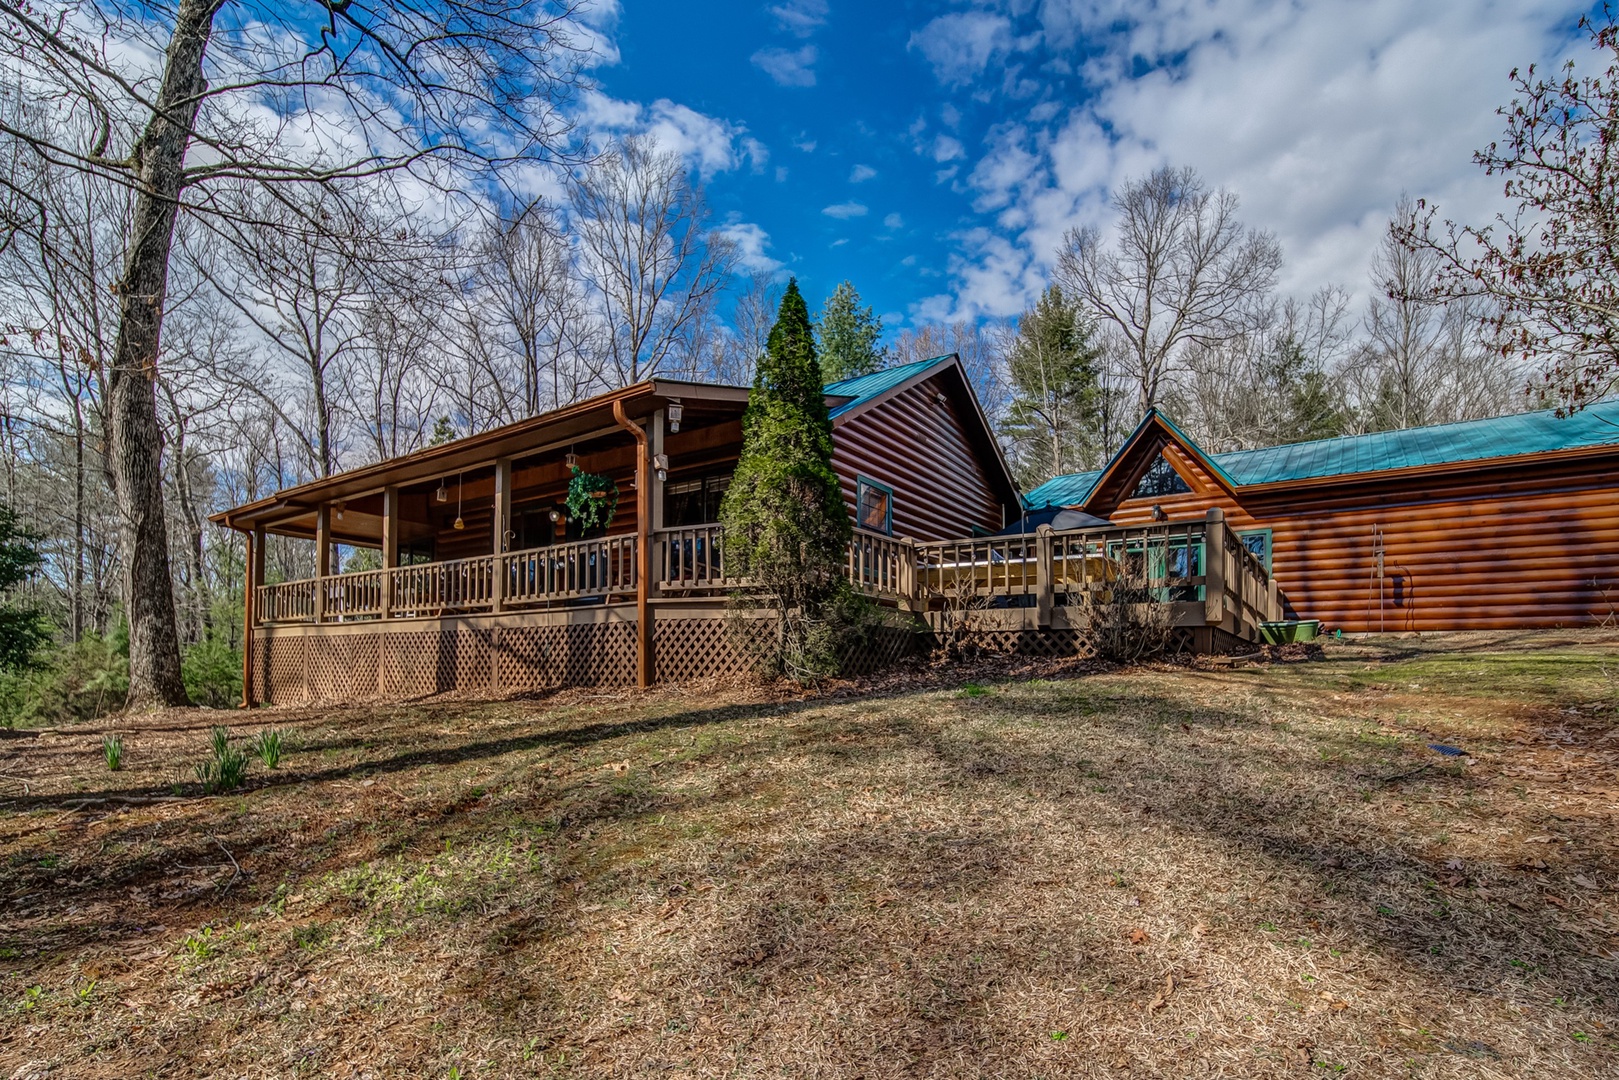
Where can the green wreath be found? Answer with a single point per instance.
(592, 499)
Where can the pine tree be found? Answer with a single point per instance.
(23, 631)
(848, 335)
(786, 528)
(1054, 419)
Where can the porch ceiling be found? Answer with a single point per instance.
(292, 511)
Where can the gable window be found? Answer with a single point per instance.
(1159, 480)
(874, 506)
(1258, 542)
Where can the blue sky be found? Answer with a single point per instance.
(935, 153)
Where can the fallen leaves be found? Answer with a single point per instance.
(1161, 998)
(1137, 936)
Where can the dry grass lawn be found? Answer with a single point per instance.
(1246, 871)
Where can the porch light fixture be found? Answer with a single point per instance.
(459, 524)
(339, 511)
(572, 460)
(1158, 513)
(674, 411)
(660, 463)
(443, 496)
(556, 515)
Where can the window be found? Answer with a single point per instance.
(1258, 542)
(694, 502)
(874, 506)
(1160, 480)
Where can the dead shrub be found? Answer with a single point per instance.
(1126, 620)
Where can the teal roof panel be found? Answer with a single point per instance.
(863, 388)
(1066, 490)
(1438, 444)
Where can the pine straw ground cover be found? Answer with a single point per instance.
(1247, 871)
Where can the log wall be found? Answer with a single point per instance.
(1531, 545)
(920, 446)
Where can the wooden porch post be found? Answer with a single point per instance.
(655, 448)
(1214, 567)
(390, 547)
(323, 557)
(503, 519)
(645, 667)
(253, 578)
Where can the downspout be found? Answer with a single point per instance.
(643, 549)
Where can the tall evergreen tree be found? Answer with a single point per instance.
(23, 632)
(1054, 419)
(848, 334)
(786, 528)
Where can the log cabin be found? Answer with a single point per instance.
(482, 580)
(1504, 523)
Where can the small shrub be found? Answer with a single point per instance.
(268, 746)
(77, 681)
(212, 671)
(112, 748)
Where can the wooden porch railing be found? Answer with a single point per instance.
(691, 559)
(286, 602)
(585, 568)
(1187, 563)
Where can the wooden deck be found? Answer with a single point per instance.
(566, 614)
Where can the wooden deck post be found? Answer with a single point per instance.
(655, 448)
(645, 665)
(1214, 567)
(503, 521)
(253, 579)
(323, 557)
(390, 547)
(1044, 569)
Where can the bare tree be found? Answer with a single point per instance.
(533, 305)
(1182, 271)
(751, 320)
(1547, 271)
(427, 86)
(1428, 357)
(654, 267)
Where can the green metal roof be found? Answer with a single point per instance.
(1438, 444)
(863, 388)
(1069, 489)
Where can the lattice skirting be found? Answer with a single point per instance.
(404, 664)
(509, 659)
(1056, 642)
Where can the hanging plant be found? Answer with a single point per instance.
(592, 499)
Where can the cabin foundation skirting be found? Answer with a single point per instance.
(511, 654)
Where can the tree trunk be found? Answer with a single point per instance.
(135, 438)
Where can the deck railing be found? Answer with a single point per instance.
(1187, 563)
(586, 568)
(691, 560)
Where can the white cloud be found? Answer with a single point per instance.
(861, 173)
(960, 45)
(801, 17)
(947, 148)
(1317, 114)
(709, 144)
(788, 67)
(805, 143)
(845, 210)
(751, 243)
(893, 221)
